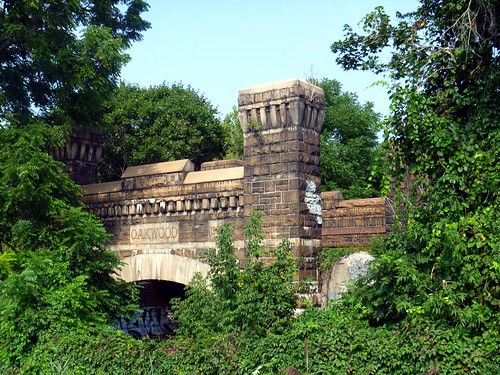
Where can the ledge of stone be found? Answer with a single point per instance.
(184, 165)
(105, 187)
(295, 82)
(280, 90)
(215, 175)
(221, 164)
(331, 199)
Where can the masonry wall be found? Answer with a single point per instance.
(169, 209)
(348, 223)
(162, 217)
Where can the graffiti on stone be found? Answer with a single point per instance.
(313, 201)
(151, 322)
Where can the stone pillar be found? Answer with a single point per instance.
(281, 123)
(81, 154)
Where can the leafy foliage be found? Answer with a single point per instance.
(97, 351)
(334, 341)
(233, 145)
(59, 274)
(348, 143)
(219, 337)
(58, 62)
(157, 124)
(63, 56)
(442, 262)
(253, 301)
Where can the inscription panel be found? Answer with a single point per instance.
(156, 233)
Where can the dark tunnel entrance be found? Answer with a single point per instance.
(156, 317)
(158, 293)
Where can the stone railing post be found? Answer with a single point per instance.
(281, 123)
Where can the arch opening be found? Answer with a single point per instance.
(161, 277)
(161, 266)
(159, 293)
(156, 318)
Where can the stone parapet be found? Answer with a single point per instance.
(353, 222)
(81, 154)
(220, 164)
(170, 190)
(168, 208)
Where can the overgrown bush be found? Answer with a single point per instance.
(241, 322)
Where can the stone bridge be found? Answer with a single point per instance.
(163, 216)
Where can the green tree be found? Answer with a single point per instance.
(59, 274)
(233, 145)
(58, 61)
(442, 260)
(348, 143)
(64, 57)
(231, 304)
(157, 124)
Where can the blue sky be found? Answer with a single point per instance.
(220, 46)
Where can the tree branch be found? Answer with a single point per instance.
(7, 43)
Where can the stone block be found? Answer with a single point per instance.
(205, 204)
(220, 164)
(289, 157)
(214, 203)
(224, 202)
(170, 206)
(292, 196)
(270, 186)
(158, 168)
(132, 209)
(233, 203)
(179, 206)
(278, 169)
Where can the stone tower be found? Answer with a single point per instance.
(281, 124)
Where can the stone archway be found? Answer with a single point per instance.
(158, 266)
(160, 276)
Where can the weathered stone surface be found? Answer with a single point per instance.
(158, 266)
(103, 188)
(225, 174)
(334, 281)
(81, 154)
(154, 233)
(352, 222)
